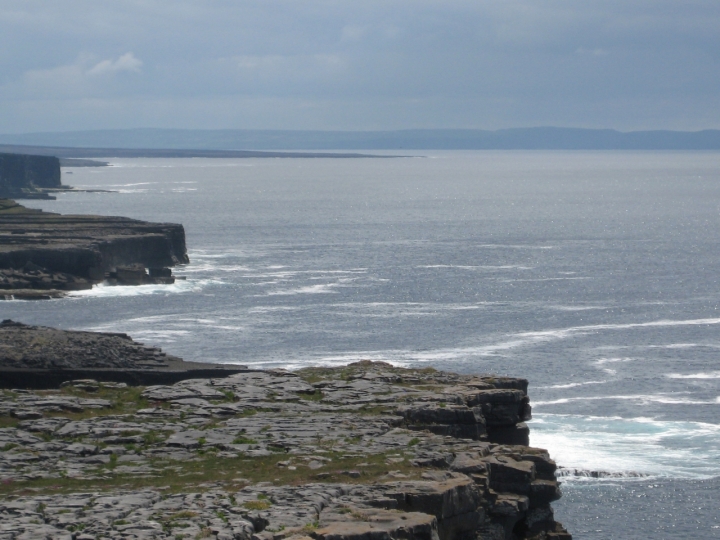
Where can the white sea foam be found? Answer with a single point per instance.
(314, 274)
(603, 361)
(639, 445)
(577, 308)
(701, 375)
(479, 267)
(133, 184)
(513, 246)
(207, 267)
(522, 339)
(669, 346)
(668, 399)
(570, 385)
(323, 288)
(402, 309)
(577, 278)
(148, 319)
(180, 286)
(160, 335)
(170, 327)
(202, 254)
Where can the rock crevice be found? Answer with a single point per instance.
(336, 454)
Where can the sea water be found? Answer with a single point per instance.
(593, 274)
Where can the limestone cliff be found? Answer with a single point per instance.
(43, 250)
(366, 451)
(25, 176)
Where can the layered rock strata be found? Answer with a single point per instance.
(43, 251)
(26, 176)
(363, 452)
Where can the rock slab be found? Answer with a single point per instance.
(336, 454)
(46, 251)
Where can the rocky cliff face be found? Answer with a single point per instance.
(367, 451)
(39, 250)
(24, 175)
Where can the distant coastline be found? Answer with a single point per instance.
(153, 142)
(78, 156)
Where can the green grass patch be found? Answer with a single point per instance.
(257, 505)
(242, 439)
(184, 514)
(185, 476)
(309, 528)
(123, 401)
(229, 395)
(153, 437)
(317, 395)
(9, 422)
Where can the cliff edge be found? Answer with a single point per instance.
(40, 357)
(366, 451)
(46, 252)
(24, 176)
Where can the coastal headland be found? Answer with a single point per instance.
(360, 452)
(102, 437)
(29, 176)
(44, 255)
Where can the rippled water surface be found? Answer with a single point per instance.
(592, 274)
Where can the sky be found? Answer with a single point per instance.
(359, 65)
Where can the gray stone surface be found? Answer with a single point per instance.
(363, 452)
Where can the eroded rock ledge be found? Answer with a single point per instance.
(39, 357)
(363, 452)
(43, 254)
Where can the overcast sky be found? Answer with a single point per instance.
(356, 65)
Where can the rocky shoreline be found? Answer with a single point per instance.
(102, 437)
(37, 357)
(362, 452)
(45, 255)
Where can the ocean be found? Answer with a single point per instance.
(595, 275)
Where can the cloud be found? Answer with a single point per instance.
(127, 62)
(83, 78)
(372, 64)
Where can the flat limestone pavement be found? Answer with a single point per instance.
(363, 452)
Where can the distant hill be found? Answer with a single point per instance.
(537, 138)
